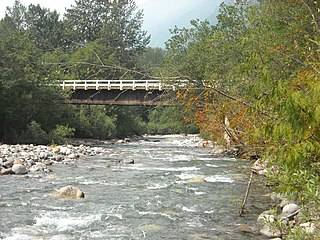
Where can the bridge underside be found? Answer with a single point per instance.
(121, 97)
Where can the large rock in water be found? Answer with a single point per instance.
(69, 192)
(19, 169)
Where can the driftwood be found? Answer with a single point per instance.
(245, 199)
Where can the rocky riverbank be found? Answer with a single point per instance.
(21, 159)
(287, 217)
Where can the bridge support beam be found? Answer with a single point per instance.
(120, 97)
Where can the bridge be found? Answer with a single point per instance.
(122, 92)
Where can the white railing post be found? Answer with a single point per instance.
(123, 84)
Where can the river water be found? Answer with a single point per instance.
(155, 198)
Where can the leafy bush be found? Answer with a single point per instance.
(61, 134)
(93, 122)
(35, 134)
(168, 120)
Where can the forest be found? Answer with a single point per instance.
(94, 40)
(254, 75)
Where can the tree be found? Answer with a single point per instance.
(150, 62)
(117, 24)
(17, 15)
(44, 28)
(212, 56)
(260, 64)
(25, 97)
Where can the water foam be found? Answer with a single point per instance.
(62, 221)
(219, 178)
(178, 169)
(156, 186)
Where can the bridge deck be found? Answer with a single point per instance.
(122, 92)
(123, 84)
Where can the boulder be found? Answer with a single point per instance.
(38, 167)
(308, 227)
(47, 162)
(65, 150)
(219, 150)
(43, 155)
(290, 210)
(270, 232)
(8, 163)
(56, 149)
(259, 165)
(69, 192)
(19, 169)
(284, 202)
(72, 156)
(17, 161)
(6, 171)
(266, 216)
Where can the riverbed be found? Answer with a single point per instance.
(174, 190)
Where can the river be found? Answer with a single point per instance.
(155, 198)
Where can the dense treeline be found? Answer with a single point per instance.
(260, 69)
(93, 40)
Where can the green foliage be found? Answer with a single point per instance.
(37, 46)
(93, 61)
(266, 57)
(116, 24)
(61, 134)
(151, 59)
(128, 120)
(168, 120)
(44, 28)
(35, 134)
(93, 122)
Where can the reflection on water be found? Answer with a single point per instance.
(173, 191)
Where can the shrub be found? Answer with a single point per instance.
(61, 134)
(35, 134)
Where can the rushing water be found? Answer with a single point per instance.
(151, 199)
